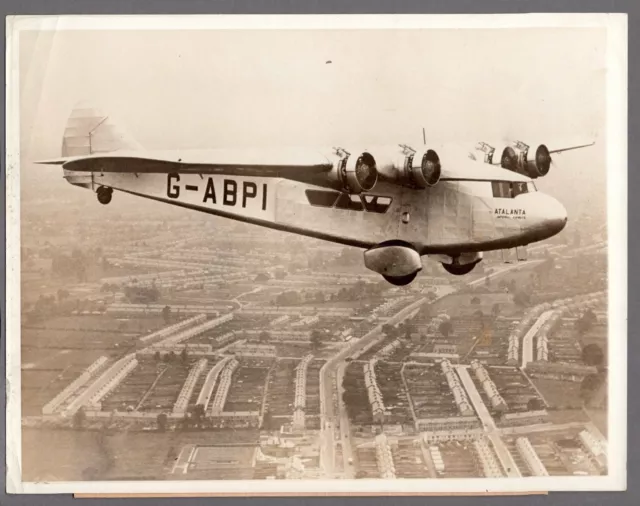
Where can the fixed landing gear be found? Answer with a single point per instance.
(401, 280)
(104, 195)
(459, 270)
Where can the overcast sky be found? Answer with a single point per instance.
(207, 89)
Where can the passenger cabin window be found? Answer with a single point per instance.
(509, 190)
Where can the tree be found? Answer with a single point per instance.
(522, 298)
(316, 339)
(445, 328)
(495, 310)
(267, 420)
(534, 404)
(79, 418)
(183, 355)
(586, 321)
(263, 277)
(198, 413)
(156, 356)
(166, 314)
(265, 336)
(589, 385)
(475, 301)
(592, 355)
(388, 330)
(161, 422)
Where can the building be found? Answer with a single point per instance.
(384, 458)
(59, 400)
(175, 339)
(447, 424)
(489, 387)
(207, 388)
(446, 348)
(459, 394)
(436, 457)
(560, 371)
(299, 403)
(389, 349)
(419, 356)
(181, 403)
(373, 391)
(596, 447)
(253, 350)
(530, 457)
(103, 385)
(523, 418)
(176, 327)
(486, 459)
(441, 436)
(223, 387)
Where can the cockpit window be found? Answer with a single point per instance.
(509, 189)
(519, 188)
(501, 189)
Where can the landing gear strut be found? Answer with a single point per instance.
(401, 280)
(104, 195)
(459, 270)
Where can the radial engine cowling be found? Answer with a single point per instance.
(353, 172)
(529, 162)
(423, 168)
(409, 167)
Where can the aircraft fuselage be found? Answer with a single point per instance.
(455, 216)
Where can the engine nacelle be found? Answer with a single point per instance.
(518, 158)
(353, 173)
(422, 169)
(411, 168)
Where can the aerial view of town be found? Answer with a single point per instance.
(181, 346)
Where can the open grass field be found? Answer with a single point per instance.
(55, 352)
(559, 394)
(68, 455)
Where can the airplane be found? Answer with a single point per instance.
(396, 202)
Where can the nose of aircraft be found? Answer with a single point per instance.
(552, 216)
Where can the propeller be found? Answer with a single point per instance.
(431, 167)
(366, 172)
(509, 159)
(543, 159)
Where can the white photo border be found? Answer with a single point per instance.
(616, 148)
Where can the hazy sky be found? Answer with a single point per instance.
(207, 89)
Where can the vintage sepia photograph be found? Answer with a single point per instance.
(316, 254)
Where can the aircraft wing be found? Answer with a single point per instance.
(280, 163)
(497, 157)
(570, 148)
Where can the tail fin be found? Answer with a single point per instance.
(90, 131)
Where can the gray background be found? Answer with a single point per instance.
(35, 7)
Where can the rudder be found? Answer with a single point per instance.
(89, 131)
